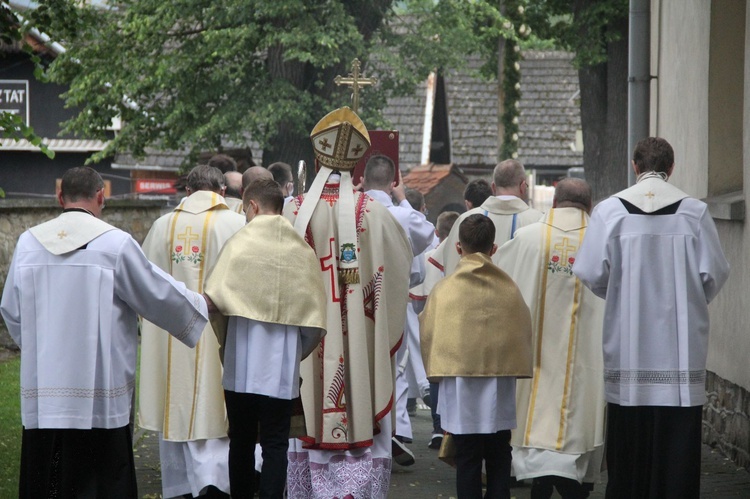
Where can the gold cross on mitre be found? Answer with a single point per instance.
(355, 80)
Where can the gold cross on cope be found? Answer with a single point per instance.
(62, 234)
(355, 80)
(649, 195)
(187, 237)
(564, 248)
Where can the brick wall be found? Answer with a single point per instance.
(726, 419)
(17, 215)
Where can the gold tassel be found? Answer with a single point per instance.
(349, 276)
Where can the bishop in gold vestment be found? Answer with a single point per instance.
(180, 388)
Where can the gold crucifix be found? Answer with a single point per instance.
(355, 80)
(187, 237)
(564, 248)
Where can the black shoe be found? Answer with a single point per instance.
(401, 453)
(436, 441)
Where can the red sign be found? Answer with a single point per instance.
(155, 186)
(383, 142)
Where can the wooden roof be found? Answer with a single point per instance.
(550, 111)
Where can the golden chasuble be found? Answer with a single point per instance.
(279, 280)
(180, 388)
(476, 324)
(562, 407)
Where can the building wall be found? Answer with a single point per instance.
(25, 172)
(679, 60)
(134, 217)
(702, 114)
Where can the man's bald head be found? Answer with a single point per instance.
(572, 193)
(509, 178)
(234, 185)
(254, 173)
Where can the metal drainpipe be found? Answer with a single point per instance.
(639, 76)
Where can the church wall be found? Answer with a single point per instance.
(134, 217)
(681, 104)
(680, 61)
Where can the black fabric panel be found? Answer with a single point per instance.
(667, 210)
(67, 464)
(653, 452)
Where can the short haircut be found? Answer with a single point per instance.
(282, 173)
(205, 178)
(223, 162)
(266, 192)
(573, 190)
(380, 171)
(477, 191)
(445, 223)
(653, 154)
(254, 173)
(81, 182)
(476, 234)
(415, 198)
(508, 173)
(233, 181)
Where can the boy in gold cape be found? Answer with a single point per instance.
(476, 340)
(266, 287)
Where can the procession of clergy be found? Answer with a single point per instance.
(287, 327)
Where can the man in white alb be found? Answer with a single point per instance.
(379, 184)
(654, 254)
(560, 435)
(507, 209)
(180, 389)
(74, 290)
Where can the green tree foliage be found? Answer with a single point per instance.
(196, 74)
(597, 32)
(584, 27)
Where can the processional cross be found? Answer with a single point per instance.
(355, 80)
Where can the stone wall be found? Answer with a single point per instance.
(726, 419)
(17, 215)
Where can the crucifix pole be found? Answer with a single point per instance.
(355, 80)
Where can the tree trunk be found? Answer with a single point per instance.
(604, 118)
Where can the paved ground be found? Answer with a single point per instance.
(431, 478)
